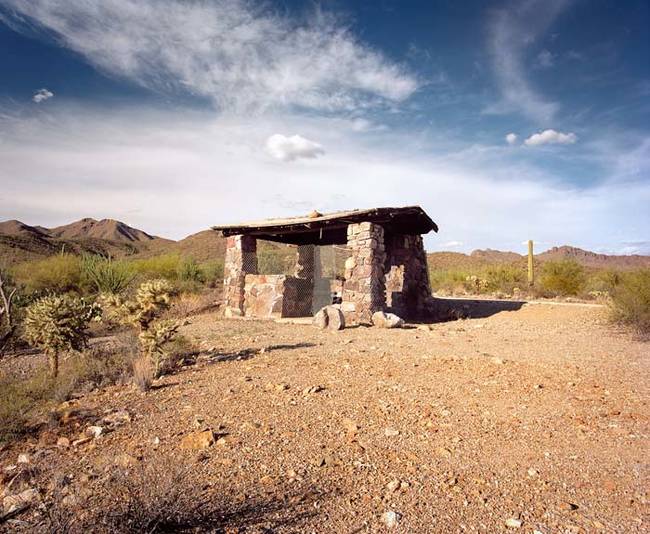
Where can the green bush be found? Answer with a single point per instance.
(564, 277)
(106, 275)
(212, 272)
(504, 278)
(59, 274)
(188, 270)
(630, 304)
(166, 266)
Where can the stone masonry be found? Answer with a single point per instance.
(408, 292)
(364, 286)
(241, 259)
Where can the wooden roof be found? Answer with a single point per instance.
(331, 228)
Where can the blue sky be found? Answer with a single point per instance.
(506, 121)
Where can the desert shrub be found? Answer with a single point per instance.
(630, 301)
(504, 278)
(19, 397)
(276, 261)
(7, 315)
(212, 272)
(165, 266)
(564, 277)
(602, 282)
(61, 273)
(447, 279)
(106, 275)
(188, 270)
(142, 373)
(143, 313)
(58, 323)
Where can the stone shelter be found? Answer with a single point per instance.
(386, 269)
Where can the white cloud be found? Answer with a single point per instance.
(240, 55)
(41, 95)
(551, 137)
(291, 148)
(511, 31)
(545, 59)
(511, 138)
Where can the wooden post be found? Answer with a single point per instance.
(531, 273)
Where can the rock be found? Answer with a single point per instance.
(198, 440)
(94, 431)
(312, 389)
(321, 320)
(336, 318)
(568, 506)
(390, 519)
(387, 320)
(424, 327)
(532, 472)
(497, 361)
(125, 460)
(393, 485)
(329, 317)
(267, 480)
(81, 441)
(23, 458)
(513, 523)
(14, 504)
(118, 418)
(391, 432)
(351, 428)
(63, 442)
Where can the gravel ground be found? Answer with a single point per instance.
(531, 419)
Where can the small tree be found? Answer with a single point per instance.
(59, 323)
(143, 313)
(7, 326)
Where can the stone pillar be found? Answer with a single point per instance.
(364, 288)
(241, 259)
(408, 292)
(307, 268)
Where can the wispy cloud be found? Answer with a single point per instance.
(292, 148)
(551, 137)
(240, 55)
(512, 30)
(186, 170)
(41, 95)
(545, 59)
(511, 138)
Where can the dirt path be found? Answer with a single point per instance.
(537, 415)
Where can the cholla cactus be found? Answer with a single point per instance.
(59, 323)
(151, 299)
(477, 284)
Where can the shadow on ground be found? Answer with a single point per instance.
(453, 309)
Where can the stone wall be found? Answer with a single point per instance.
(276, 295)
(240, 260)
(408, 292)
(364, 289)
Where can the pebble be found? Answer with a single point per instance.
(390, 519)
(391, 432)
(393, 485)
(23, 458)
(513, 523)
(63, 442)
(94, 431)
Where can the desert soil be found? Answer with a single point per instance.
(533, 419)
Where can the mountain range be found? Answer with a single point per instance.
(21, 242)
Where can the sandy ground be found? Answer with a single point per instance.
(534, 418)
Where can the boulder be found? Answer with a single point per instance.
(387, 320)
(329, 317)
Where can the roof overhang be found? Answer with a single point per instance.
(331, 228)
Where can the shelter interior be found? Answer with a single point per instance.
(385, 268)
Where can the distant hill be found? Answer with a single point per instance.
(22, 242)
(592, 259)
(479, 258)
(107, 229)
